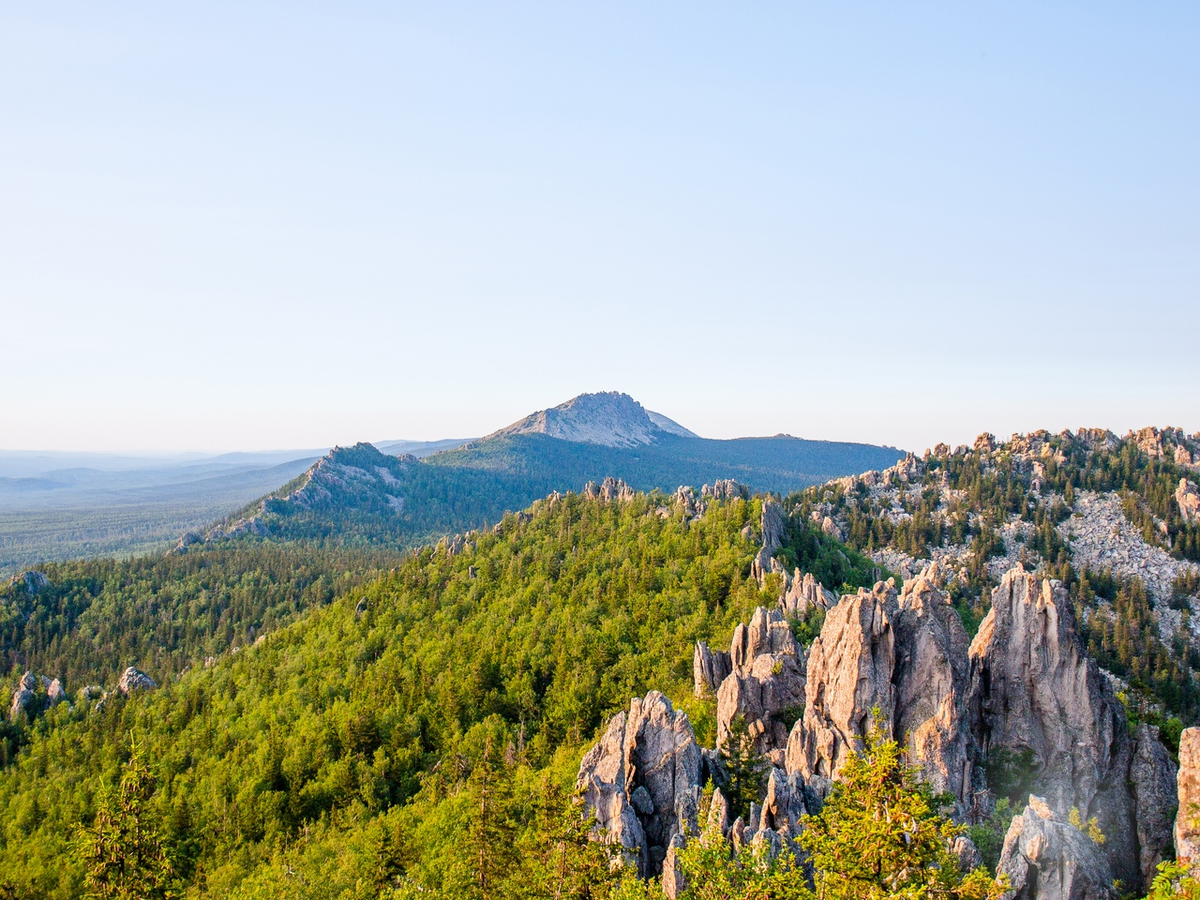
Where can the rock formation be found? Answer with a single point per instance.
(709, 669)
(1187, 818)
(133, 680)
(24, 694)
(850, 667)
(932, 686)
(1188, 498)
(1037, 696)
(1047, 859)
(804, 592)
(766, 681)
(34, 581)
(643, 779)
(1152, 780)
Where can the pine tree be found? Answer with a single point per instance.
(744, 767)
(490, 831)
(123, 853)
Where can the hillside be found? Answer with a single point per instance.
(1115, 518)
(360, 496)
(344, 742)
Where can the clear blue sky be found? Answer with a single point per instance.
(249, 225)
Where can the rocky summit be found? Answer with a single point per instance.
(611, 419)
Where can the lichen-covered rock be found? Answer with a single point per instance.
(766, 682)
(133, 680)
(652, 753)
(932, 687)
(850, 667)
(1037, 696)
(1046, 859)
(1187, 818)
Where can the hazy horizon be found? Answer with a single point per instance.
(232, 228)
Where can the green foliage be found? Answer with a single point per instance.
(123, 853)
(1012, 775)
(744, 768)
(988, 835)
(1173, 882)
(880, 834)
(342, 750)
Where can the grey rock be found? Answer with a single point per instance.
(133, 680)
(33, 581)
(803, 593)
(55, 693)
(783, 804)
(725, 489)
(850, 667)
(709, 669)
(1035, 692)
(1188, 499)
(650, 749)
(969, 857)
(766, 680)
(1046, 859)
(932, 687)
(1152, 778)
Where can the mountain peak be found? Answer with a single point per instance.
(611, 419)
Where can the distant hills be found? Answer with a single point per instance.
(359, 494)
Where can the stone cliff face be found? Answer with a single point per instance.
(1187, 818)
(850, 667)
(643, 780)
(1037, 697)
(932, 687)
(1023, 693)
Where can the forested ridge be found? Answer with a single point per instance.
(345, 749)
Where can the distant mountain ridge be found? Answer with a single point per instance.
(359, 495)
(610, 419)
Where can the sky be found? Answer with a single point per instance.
(240, 226)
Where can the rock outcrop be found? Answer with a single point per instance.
(23, 696)
(1038, 697)
(1187, 818)
(850, 667)
(932, 687)
(34, 581)
(765, 684)
(1047, 859)
(1188, 499)
(803, 593)
(133, 680)
(709, 669)
(643, 780)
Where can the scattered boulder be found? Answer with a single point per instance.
(1046, 859)
(133, 680)
(643, 780)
